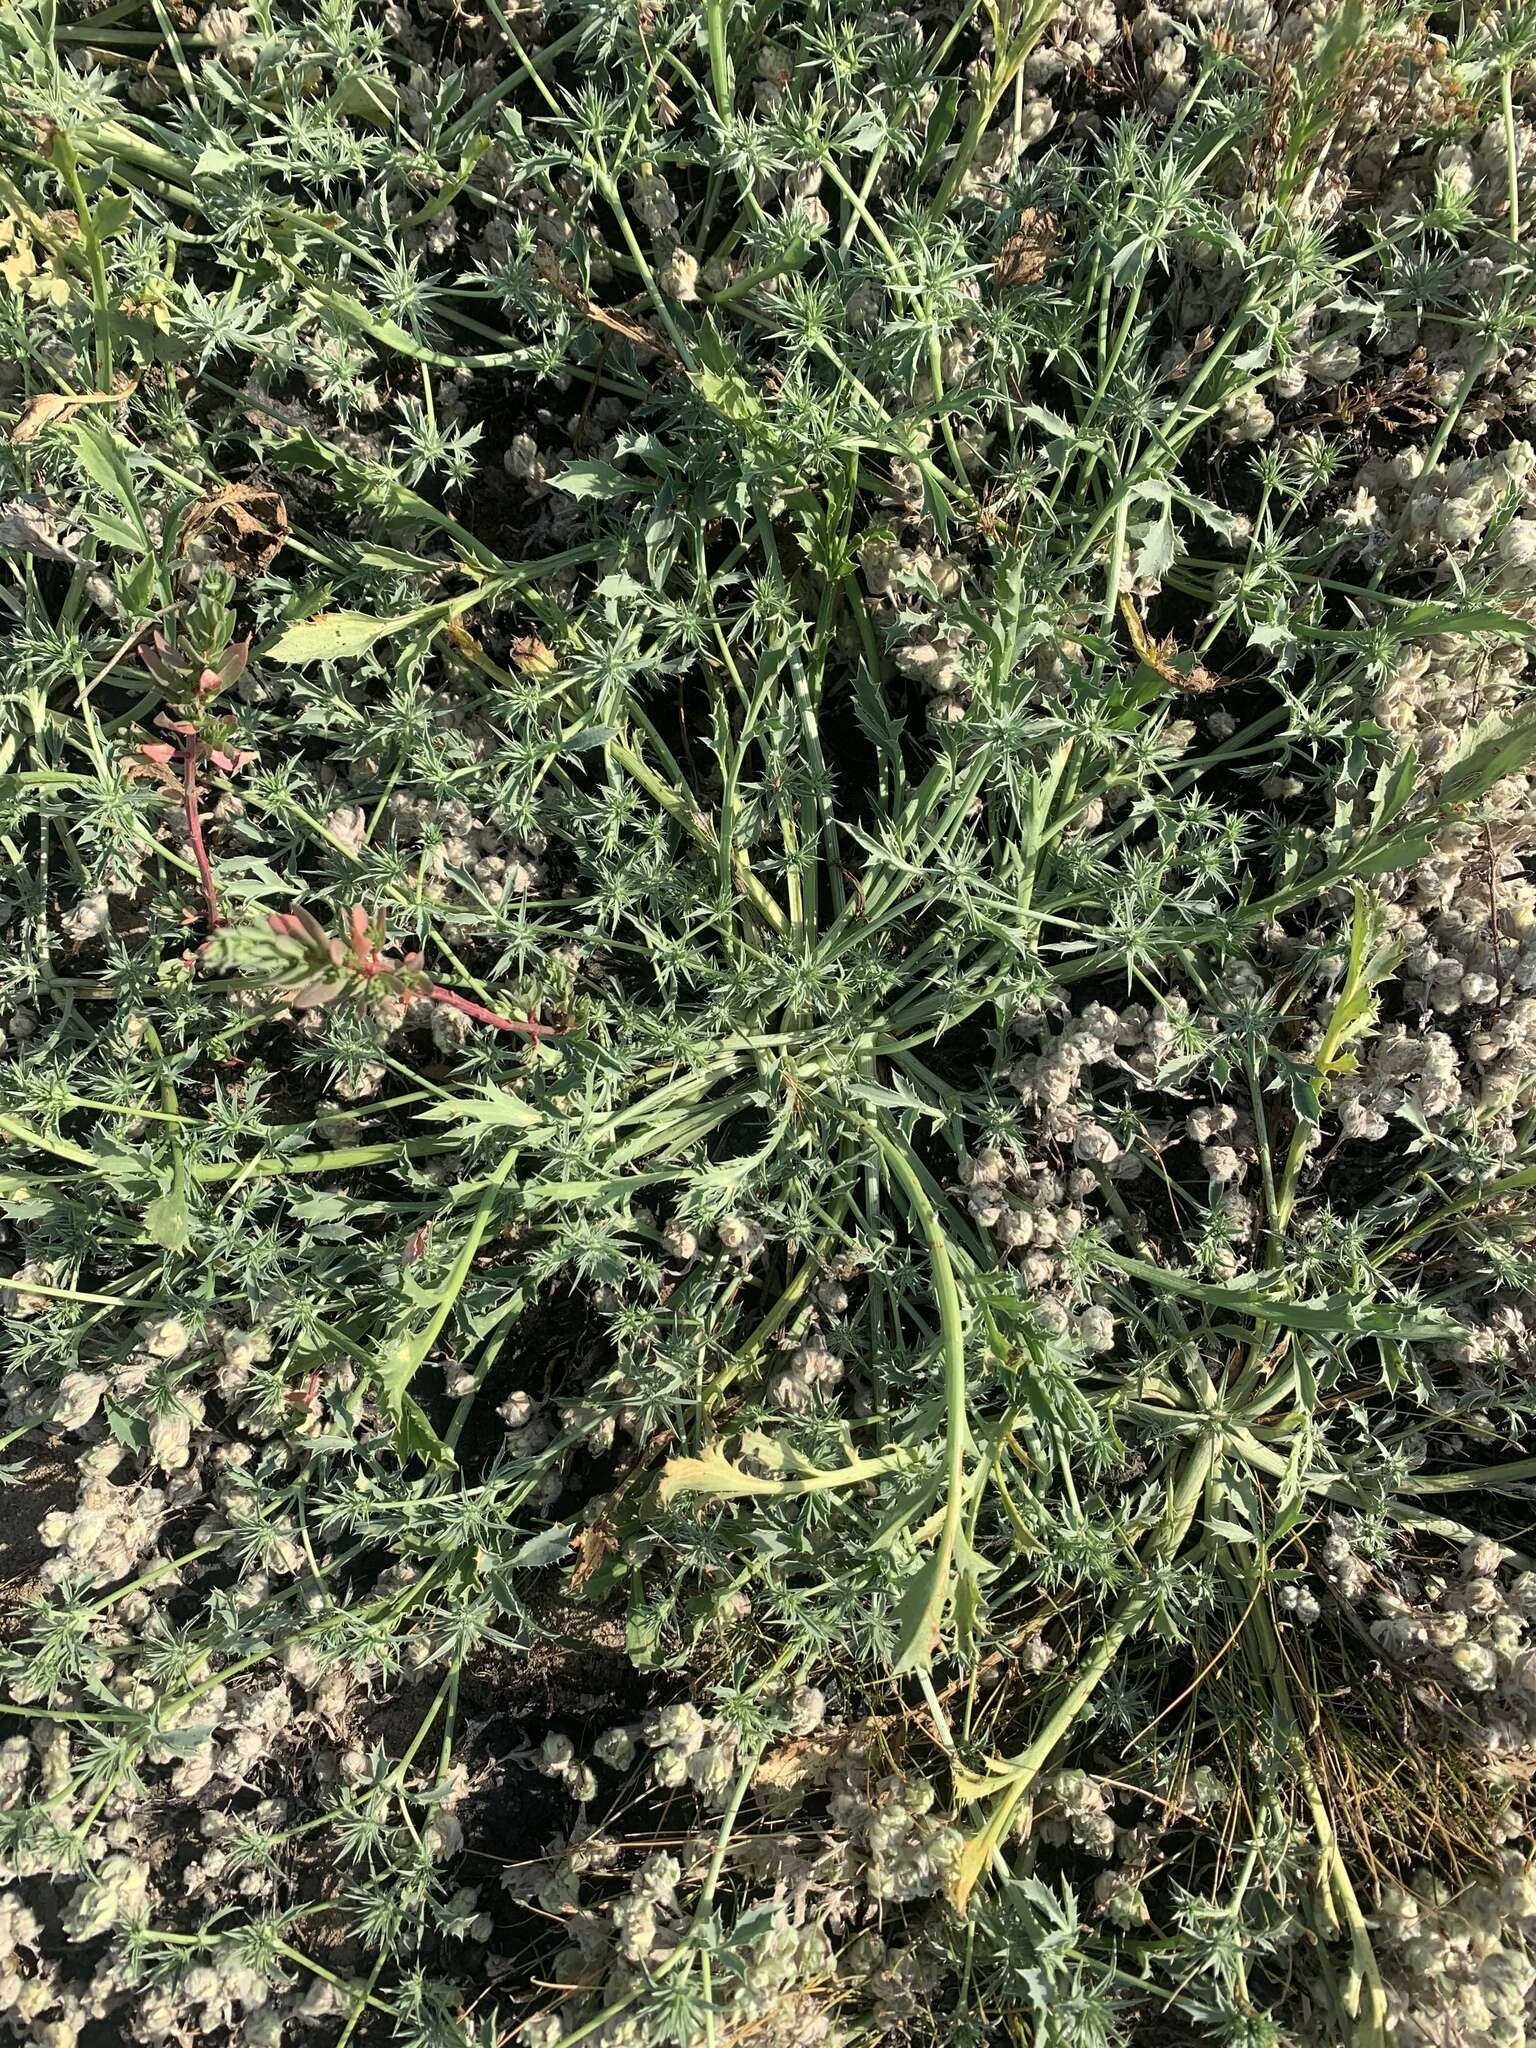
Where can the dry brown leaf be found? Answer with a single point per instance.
(547, 264)
(626, 330)
(1028, 250)
(242, 526)
(51, 406)
(1200, 679)
(1158, 656)
(532, 657)
(592, 1544)
(804, 1760)
(598, 1539)
(41, 412)
(29, 527)
(1192, 355)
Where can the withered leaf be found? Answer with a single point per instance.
(42, 411)
(800, 1763)
(548, 268)
(28, 527)
(592, 1544)
(532, 657)
(1025, 255)
(1159, 656)
(49, 407)
(242, 526)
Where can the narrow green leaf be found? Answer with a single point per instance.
(1337, 1315)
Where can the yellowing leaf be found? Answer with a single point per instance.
(976, 1857)
(166, 1221)
(970, 1785)
(1158, 654)
(713, 1474)
(338, 636)
(19, 265)
(968, 1870)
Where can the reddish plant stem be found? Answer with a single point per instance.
(481, 1015)
(189, 755)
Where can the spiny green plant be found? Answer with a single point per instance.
(777, 599)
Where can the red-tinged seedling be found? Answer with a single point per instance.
(193, 668)
(293, 950)
(954, 582)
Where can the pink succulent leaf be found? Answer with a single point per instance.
(157, 659)
(317, 991)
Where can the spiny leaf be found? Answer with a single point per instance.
(415, 1437)
(1337, 1315)
(1159, 549)
(1492, 750)
(919, 1613)
(595, 480)
(166, 1219)
(493, 1109)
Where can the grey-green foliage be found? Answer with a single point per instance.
(876, 749)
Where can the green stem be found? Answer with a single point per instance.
(904, 1171)
(719, 57)
(1134, 1610)
(101, 301)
